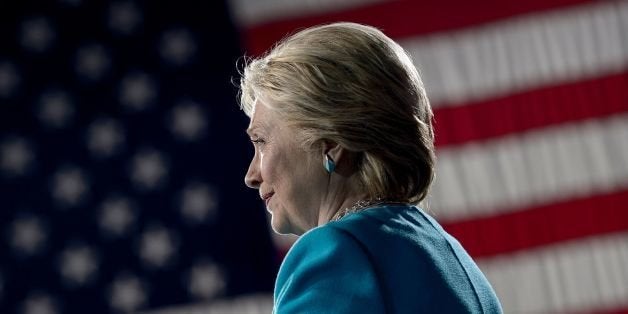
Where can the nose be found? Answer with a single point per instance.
(253, 177)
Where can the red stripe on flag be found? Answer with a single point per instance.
(403, 18)
(613, 311)
(531, 109)
(543, 225)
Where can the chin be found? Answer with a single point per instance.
(280, 226)
(276, 224)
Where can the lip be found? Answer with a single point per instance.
(266, 197)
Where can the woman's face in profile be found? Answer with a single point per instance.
(290, 179)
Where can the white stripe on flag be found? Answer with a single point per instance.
(251, 12)
(576, 276)
(531, 168)
(523, 53)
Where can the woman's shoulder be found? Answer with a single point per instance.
(349, 231)
(310, 272)
(398, 220)
(362, 234)
(323, 240)
(328, 247)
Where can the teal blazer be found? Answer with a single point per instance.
(390, 259)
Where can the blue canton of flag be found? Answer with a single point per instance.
(122, 154)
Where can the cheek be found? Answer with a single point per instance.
(275, 169)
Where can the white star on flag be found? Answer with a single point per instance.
(157, 246)
(188, 121)
(9, 79)
(198, 202)
(78, 265)
(39, 303)
(16, 156)
(148, 170)
(137, 91)
(127, 293)
(206, 280)
(177, 46)
(116, 216)
(55, 109)
(27, 235)
(37, 34)
(92, 62)
(105, 136)
(124, 17)
(69, 186)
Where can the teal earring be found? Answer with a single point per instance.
(329, 165)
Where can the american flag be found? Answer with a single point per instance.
(122, 155)
(122, 149)
(531, 120)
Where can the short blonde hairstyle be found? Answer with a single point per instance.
(351, 84)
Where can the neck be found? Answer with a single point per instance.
(340, 199)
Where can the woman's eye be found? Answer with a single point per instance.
(258, 141)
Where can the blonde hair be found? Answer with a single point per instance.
(351, 84)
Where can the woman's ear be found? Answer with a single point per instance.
(333, 150)
(343, 160)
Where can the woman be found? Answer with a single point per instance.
(343, 138)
